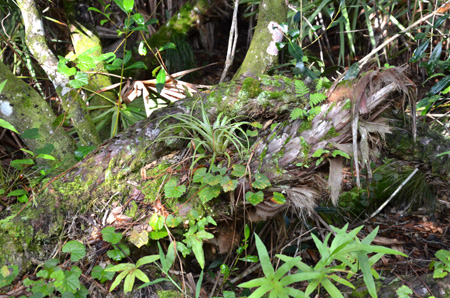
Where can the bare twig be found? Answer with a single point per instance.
(393, 195)
(232, 40)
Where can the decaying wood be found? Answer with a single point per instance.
(113, 172)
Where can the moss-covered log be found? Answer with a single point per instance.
(113, 173)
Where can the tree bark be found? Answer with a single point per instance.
(72, 102)
(24, 108)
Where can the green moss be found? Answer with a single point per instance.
(169, 294)
(151, 188)
(131, 211)
(250, 88)
(330, 134)
(305, 125)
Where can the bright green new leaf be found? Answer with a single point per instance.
(46, 156)
(2, 85)
(160, 80)
(142, 50)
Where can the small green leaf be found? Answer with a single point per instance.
(80, 80)
(319, 152)
(18, 163)
(208, 193)
(2, 85)
(76, 249)
(251, 133)
(138, 238)
(169, 45)
(211, 179)
(341, 153)
(199, 175)
(238, 170)
(252, 259)
(17, 192)
(138, 64)
(404, 292)
(261, 181)
(142, 50)
(160, 80)
(109, 235)
(254, 198)
(46, 156)
(100, 274)
(156, 222)
(118, 254)
(171, 190)
(82, 151)
(228, 184)
(31, 133)
(156, 235)
(278, 198)
(6, 124)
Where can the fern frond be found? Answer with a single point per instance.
(316, 98)
(300, 88)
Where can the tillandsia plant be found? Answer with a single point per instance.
(346, 254)
(210, 137)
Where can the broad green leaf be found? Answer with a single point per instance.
(139, 19)
(212, 179)
(228, 184)
(278, 198)
(82, 151)
(47, 149)
(209, 192)
(156, 235)
(331, 289)
(138, 64)
(169, 45)
(6, 124)
(341, 153)
(160, 80)
(156, 222)
(238, 170)
(17, 192)
(367, 274)
(76, 249)
(119, 279)
(128, 5)
(264, 258)
(81, 79)
(440, 85)
(319, 152)
(109, 235)
(18, 163)
(419, 52)
(404, 292)
(119, 253)
(172, 190)
(99, 273)
(254, 198)
(261, 181)
(31, 133)
(199, 175)
(120, 267)
(46, 156)
(147, 260)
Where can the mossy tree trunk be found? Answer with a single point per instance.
(24, 108)
(72, 102)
